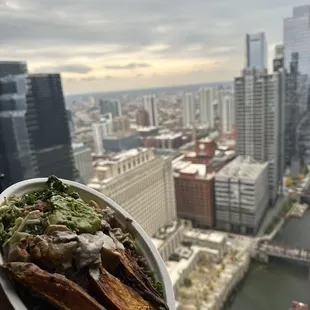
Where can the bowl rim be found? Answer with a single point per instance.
(147, 247)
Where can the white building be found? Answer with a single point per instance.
(150, 106)
(207, 98)
(188, 102)
(83, 161)
(241, 195)
(141, 183)
(228, 113)
(259, 104)
(100, 130)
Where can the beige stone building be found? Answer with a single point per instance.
(141, 183)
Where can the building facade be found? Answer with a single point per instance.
(121, 124)
(142, 184)
(110, 106)
(121, 142)
(259, 103)
(228, 114)
(188, 103)
(194, 181)
(256, 51)
(241, 195)
(206, 101)
(83, 161)
(296, 39)
(142, 118)
(48, 127)
(103, 128)
(150, 106)
(17, 160)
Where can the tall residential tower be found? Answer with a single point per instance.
(206, 99)
(259, 100)
(188, 108)
(150, 106)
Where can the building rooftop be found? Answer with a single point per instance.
(210, 236)
(187, 167)
(169, 136)
(175, 269)
(242, 167)
(146, 129)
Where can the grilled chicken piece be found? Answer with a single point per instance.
(113, 293)
(122, 265)
(54, 252)
(54, 288)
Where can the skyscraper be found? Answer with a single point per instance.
(47, 122)
(101, 129)
(297, 38)
(110, 106)
(256, 50)
(259, 101)
(189, 116)
(228, 113)
(17, 161)
(206, 99)
(151, 108)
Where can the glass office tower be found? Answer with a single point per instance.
(17, 161)
(256, 51)
(48, 126)
(297, 38)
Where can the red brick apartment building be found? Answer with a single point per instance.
(194, 181)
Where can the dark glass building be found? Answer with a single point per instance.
(17, 162)
(121, 143)
(48, 126)
(110, 106)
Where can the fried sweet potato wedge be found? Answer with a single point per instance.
(123, 266)
(54, 288)
(113, 293)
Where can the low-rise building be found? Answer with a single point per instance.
(147, 131)
(141, 183)
(121, 141)
(241, 195)
(208, 239)
(168, 238)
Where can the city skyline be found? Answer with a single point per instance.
(114, 46)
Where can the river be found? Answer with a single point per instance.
(275, 285)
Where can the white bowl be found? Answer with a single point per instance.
(143, 242)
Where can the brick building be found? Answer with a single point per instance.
(194, 182)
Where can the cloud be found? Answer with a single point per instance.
(82, 69)
(130, 66)
(87, 34)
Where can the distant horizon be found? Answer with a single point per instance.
(192, 85)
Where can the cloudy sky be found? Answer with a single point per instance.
(101, 45)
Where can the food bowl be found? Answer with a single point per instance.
(144, 243)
